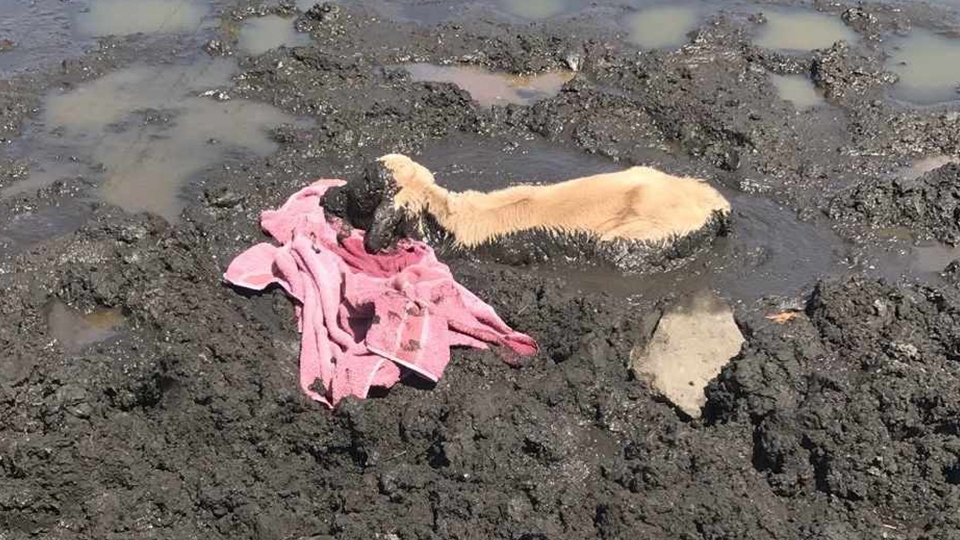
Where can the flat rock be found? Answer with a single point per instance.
(691, 344)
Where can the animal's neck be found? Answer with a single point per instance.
(436, 201)
(473, 217)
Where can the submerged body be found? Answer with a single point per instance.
(637, 204)
(637, 220)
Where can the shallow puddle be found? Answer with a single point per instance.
(693, 340)
(801, 30)
(75, 330)
(933, 257)
(924, 165)
(900, 255)
(925, 261)
(799, 90)
(146, 131)
(21, 231)
(770, 251)
(260, 34)
(431, 12)
(36, 34)
(124, 17)
(534, 9)
(662, 26)
(929, 68)
(489, 88)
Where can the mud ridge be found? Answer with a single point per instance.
(839, 423)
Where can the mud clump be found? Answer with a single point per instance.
(828, 423)
(842, 76)
(928, 205)
(862, 408)
(839, 423)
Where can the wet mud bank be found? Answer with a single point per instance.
(142, 398)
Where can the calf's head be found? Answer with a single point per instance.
(383, 200)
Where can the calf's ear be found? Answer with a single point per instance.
(384, 230)
(381, 188)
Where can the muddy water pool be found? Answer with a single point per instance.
(491, 88)
(261, 34)
(800, 30)
(37, 34)
(928, 65)
(664, 26)
(75, 329)
(798, 90)
(769, 251)
(143, 133)
(125, 17)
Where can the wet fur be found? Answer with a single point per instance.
(639, 203)
(540, 246)
(536, 224)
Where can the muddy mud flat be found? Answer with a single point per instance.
(142, 398)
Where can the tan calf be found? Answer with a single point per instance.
(638, 203)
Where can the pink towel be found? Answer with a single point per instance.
(365, 317)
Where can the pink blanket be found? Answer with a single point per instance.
(364, 318)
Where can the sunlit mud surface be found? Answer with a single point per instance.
(801, 397)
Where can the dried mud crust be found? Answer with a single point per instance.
(842, 423)
(929, 204)
(839, 424)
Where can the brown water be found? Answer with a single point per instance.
(801, 30)
(124, 17)
(534, 9)
(928, 65)
(75, 330)
(260, 34)
(933, 257)
(902, 258)
(25, 229)
(40, 33)
(489, 88)
(924, 165)
(664, 26)
(146, 131)
(798, 90)
(485, 164)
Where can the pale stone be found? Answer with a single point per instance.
(691, 344)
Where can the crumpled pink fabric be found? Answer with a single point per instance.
(365, 318)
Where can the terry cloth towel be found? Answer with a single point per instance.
(365, 318)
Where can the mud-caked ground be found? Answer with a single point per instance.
(841, 423)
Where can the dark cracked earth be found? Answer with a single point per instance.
(142, 398)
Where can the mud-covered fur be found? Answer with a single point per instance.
(357, 202)
(539, 246)
(388, 212)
